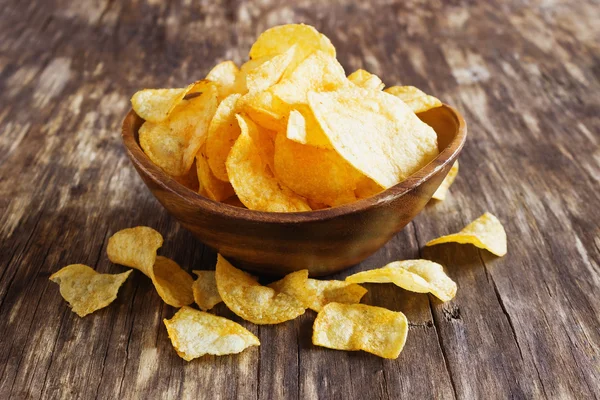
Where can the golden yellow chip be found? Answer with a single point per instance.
(134, 247)
(296, 127)
(315, 294)
(209, 185)
(250, 300)
(367, 187)
(486, 232)
(87, 290)
(195, 333)
(366, 80)
(421, 276)
(222, 133)
(226, 76)
(252, 178)
(265, 110)
(415, 98)
(278, 39)
(270, 72)
(320, 175)
(155, 105)
(206, 294)
(189, 179)
(173, 143)
(360, 327)
(442, 190)
(375, 132)
(172, 283)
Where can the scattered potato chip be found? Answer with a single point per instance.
(173, 143)
(87, 290)
(416, 99)
(270, 72)
(206, 294)
(255, 303)
(155, 105)
(442, 190)
(360, 327)
(278, 39)
(366, 80)
(486, 232)
(222, 133)
(172, 283)
(209, 185)
(253, 180)
(421, 276)
(375, 132)
(195, 333)
(315, 293)
(134, 247)
(226, 76)
(321, 175)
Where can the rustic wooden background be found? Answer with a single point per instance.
(526, 75)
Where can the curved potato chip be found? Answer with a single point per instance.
(155, 105)
(250, 300)
(195, 333)
(486, 232)
(135, 247)
(278, 39)
(442, 190)
(321, 175)
(222, 133)
(315, 294)
(360, 327)
(367, 187)
(253, 180)
(366, 80)
(421, 276)
(265, 110)
(173, 143)
(87, 290)
(206, 294)
(209, 185)
(226, 76)
(263, 139)
(190, 179)
(172, 283)
(416, 99)
(269, 72)
(375, 132)
(296, 127)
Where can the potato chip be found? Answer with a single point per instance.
(226, 76)
(321, 175)
(255, 303)
(486, 232)
(367, 187)
(173, 143)
(296, 127)
(375, 132)
(360, 327)
(366, 80)
(265, 110)
(303, 128)
(315, 294)
(195, 333)
(222, 133)
(263, 139)
(209, 185)
(234, 201)
(253, 180)
(87, 290)
(155, 105)
(206, 294)
(442, 190)
(415, 98)
(189, 179)
(134, 247)
(172, 283)
(270, 72)
(278, 39)
(421, 276)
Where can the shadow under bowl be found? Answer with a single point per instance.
(323, 241)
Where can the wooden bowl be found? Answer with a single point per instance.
(323, 241)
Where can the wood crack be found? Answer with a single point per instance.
(133, 314)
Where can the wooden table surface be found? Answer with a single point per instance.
(524, 74)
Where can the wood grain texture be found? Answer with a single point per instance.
(526, 77)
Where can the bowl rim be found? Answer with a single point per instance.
(194, 199)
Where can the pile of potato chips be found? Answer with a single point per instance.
(288, 130)
(342, 322)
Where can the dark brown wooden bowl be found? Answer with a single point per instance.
(323, 241)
